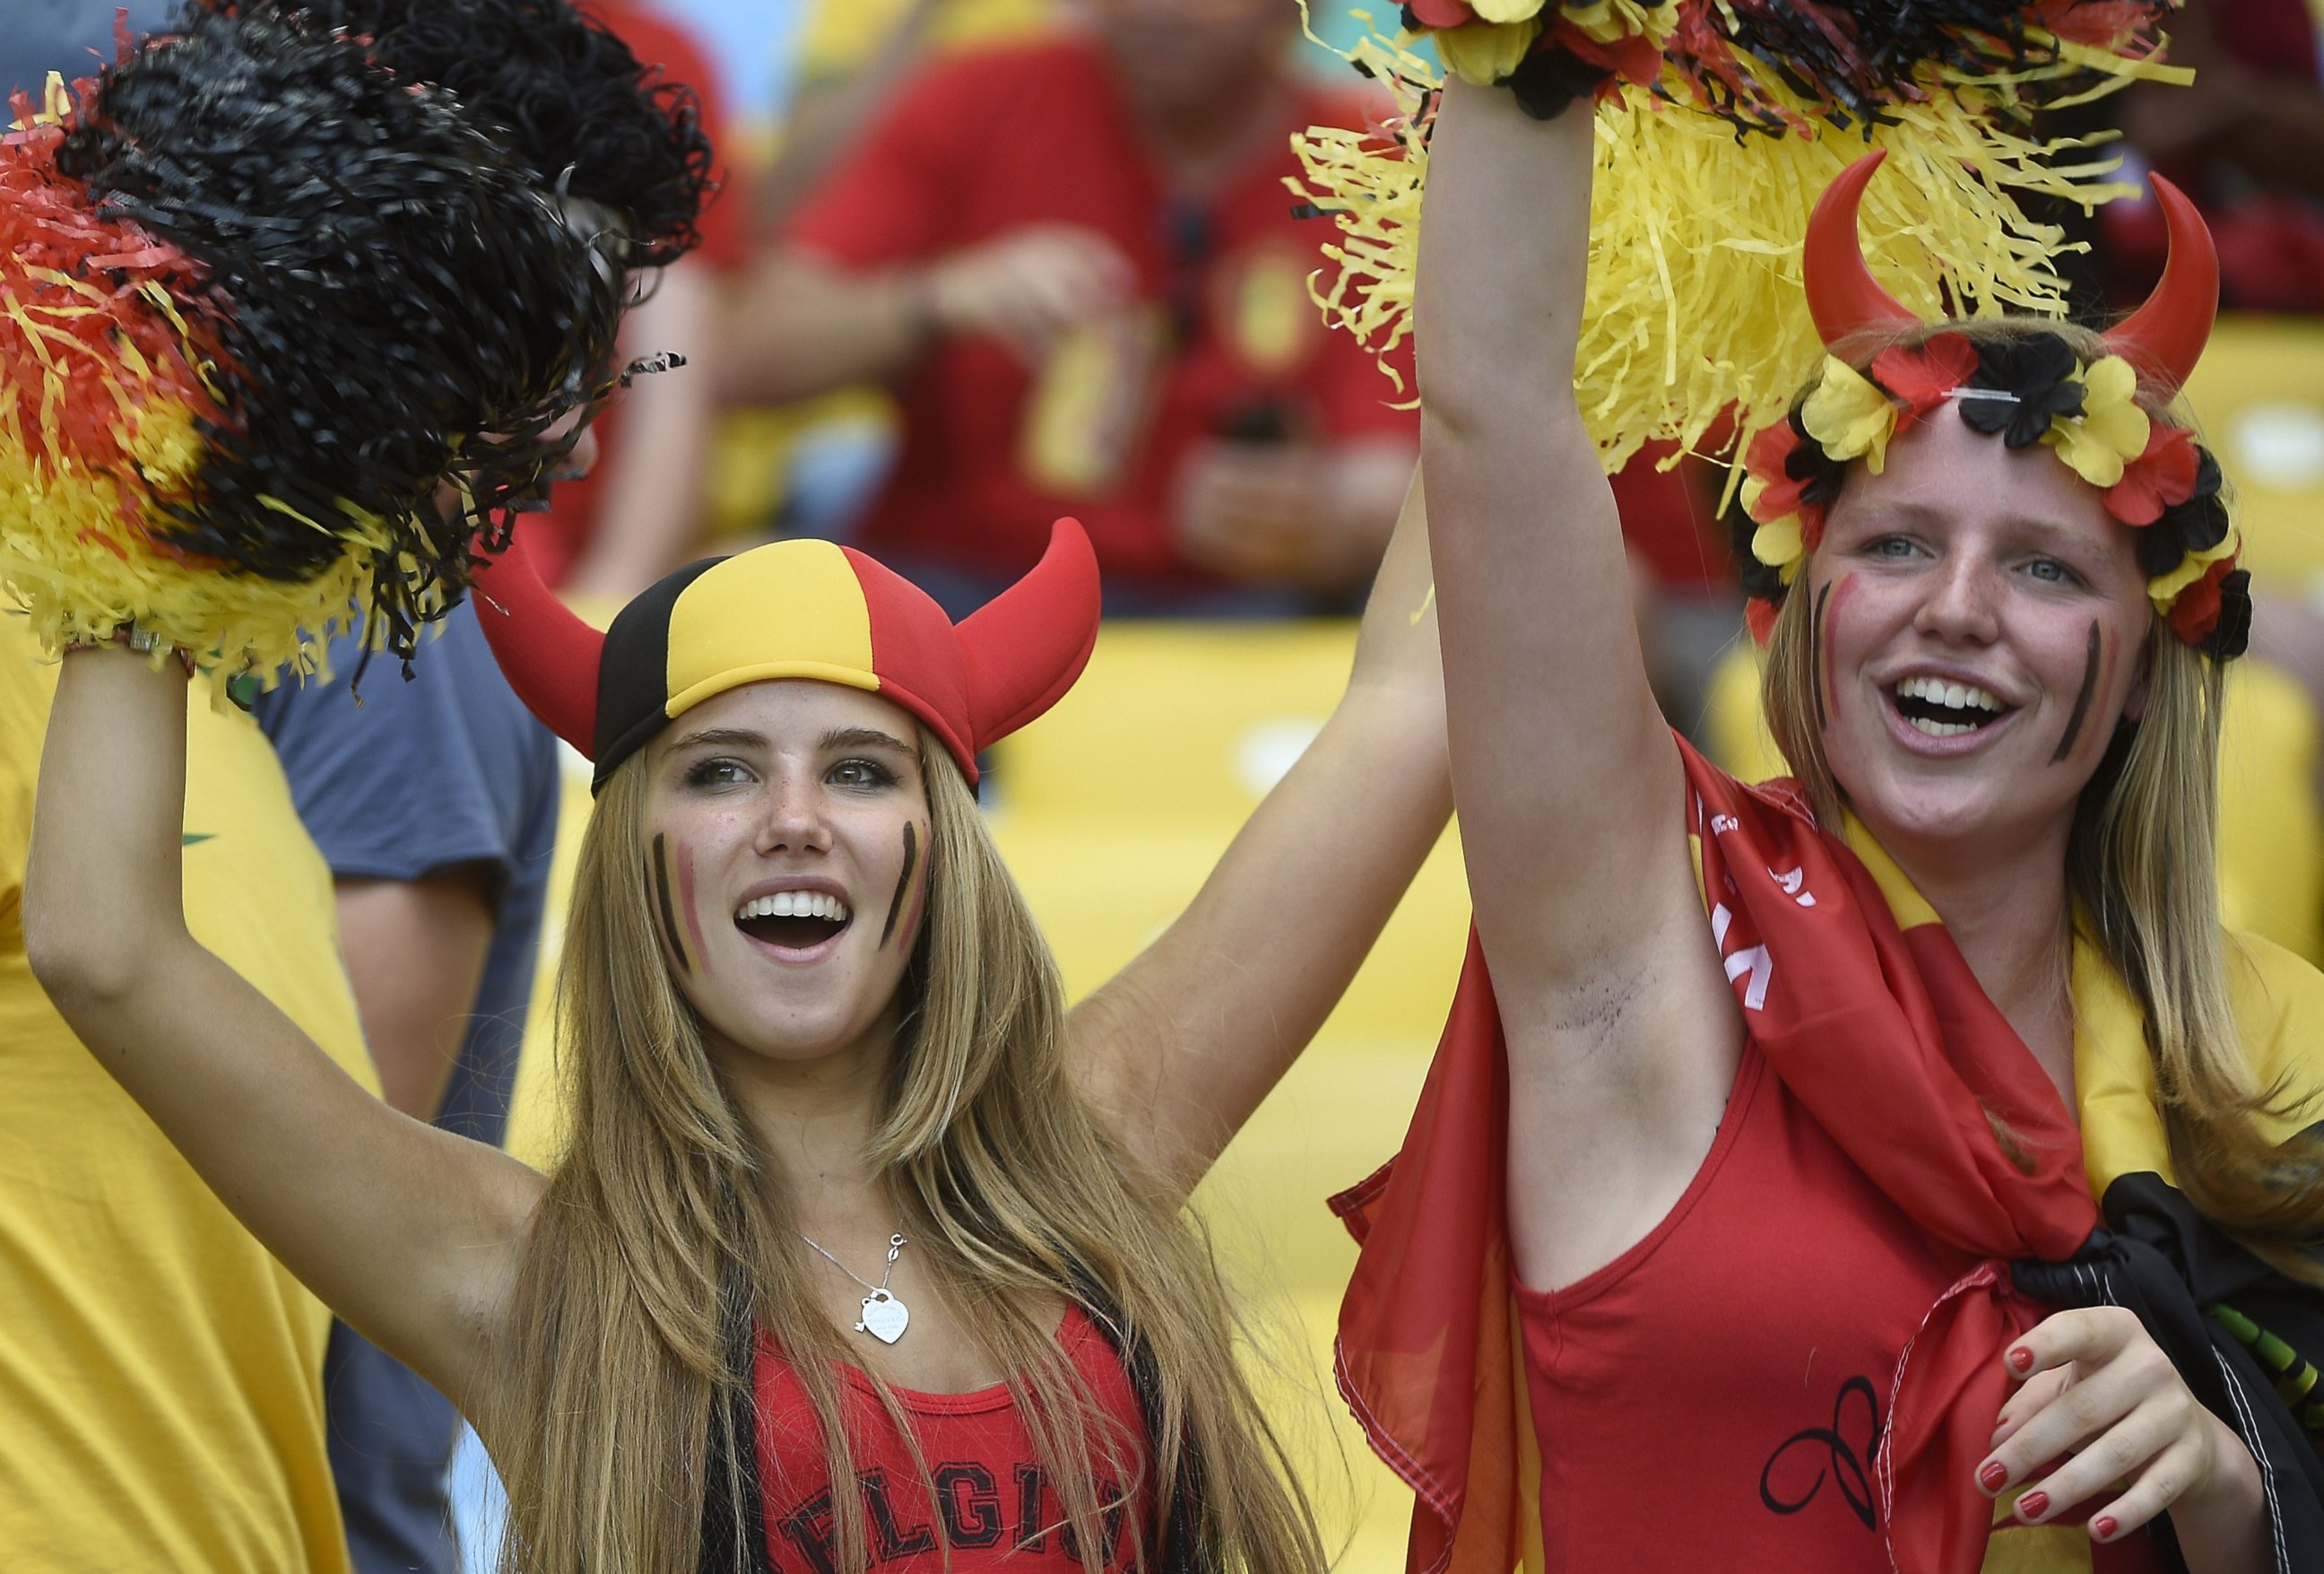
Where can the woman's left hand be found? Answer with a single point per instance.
(2101, 1396)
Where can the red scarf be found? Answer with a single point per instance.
(1880, 1031)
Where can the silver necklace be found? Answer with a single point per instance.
(885, 1318)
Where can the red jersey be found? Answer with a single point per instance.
(1763, 1321)
(556, 538)
(993, 1503)
(1224, 341)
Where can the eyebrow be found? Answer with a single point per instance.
(840, 737)
(866, 737)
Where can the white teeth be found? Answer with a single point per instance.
(1952, 696)
(795, 904)
(1940, 728)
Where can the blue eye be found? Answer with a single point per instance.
(718, 771)
(2051, 572)
(1888, 546)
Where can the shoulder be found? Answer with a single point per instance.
(1049, 70)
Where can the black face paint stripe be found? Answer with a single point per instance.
(903, 883)
(668, 915)
(2081, 700)
(1815, 651)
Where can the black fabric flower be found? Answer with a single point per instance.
(2231, 636)
(1548, 81)
(2039, 370)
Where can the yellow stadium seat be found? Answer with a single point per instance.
(2259, 396)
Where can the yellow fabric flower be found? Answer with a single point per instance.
(1485, 52)
(1850, 415)
(1780, 545)
(1506, 10)
(2112, 429)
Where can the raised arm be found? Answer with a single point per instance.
(1182, 1044)
(1622, 1037)
(409, 1233)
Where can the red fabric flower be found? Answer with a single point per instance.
(2102, 24)
(2162, 478)
(1443, 13)
(2196, 612)
(1765, 459)
(1761, 617)
(1925, 374)
(1636, 59)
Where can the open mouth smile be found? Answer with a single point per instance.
(796, 922)
(1938, 708)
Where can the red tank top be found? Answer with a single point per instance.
(991, 1500)
(1719, 1389)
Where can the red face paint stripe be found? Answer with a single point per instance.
(1827, 675)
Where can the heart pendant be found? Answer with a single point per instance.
(884, 1318)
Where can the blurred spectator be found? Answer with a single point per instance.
(851, 57)
(161, 1373)
(72, 37)
(1682, 583)
(2246, 142)
(1076, 261)
(617, 528)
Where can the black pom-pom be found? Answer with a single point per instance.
(402, 308)
(2231, 636)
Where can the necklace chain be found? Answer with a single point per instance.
(895, 1250)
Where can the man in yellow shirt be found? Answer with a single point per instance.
(161, 1399)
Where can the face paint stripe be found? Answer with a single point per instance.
(668, 919)
(1815, 651)
(912, 919)
(2081, 700)
(685, 902)
(903, 883)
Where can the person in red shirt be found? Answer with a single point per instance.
(612, 529)
(1077, 263)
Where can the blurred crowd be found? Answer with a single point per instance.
(989, 262)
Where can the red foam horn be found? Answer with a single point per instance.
(549, 656)
(1842, 294)
(2165, 338)
(1023, 649)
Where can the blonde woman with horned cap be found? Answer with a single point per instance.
(863, 1252)
(1853, 1164)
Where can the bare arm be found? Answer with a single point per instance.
(1182, 1044)
(415, 952)
(807, 326)
(1622, 1038)
(651, 513)
(408, 1232)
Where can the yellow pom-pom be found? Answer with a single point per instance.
(1694, 311)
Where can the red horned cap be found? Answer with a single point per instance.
(2164, 338)
(549, 656)
(1842, 294)
(1025, 647)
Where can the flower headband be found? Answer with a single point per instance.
(2032, 389)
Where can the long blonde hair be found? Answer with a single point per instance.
(2142, 868)
(664, 1233)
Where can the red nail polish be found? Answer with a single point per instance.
(2034, 1504)
(2020, 1359)
(1994, 1477)
(2104, 1527)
